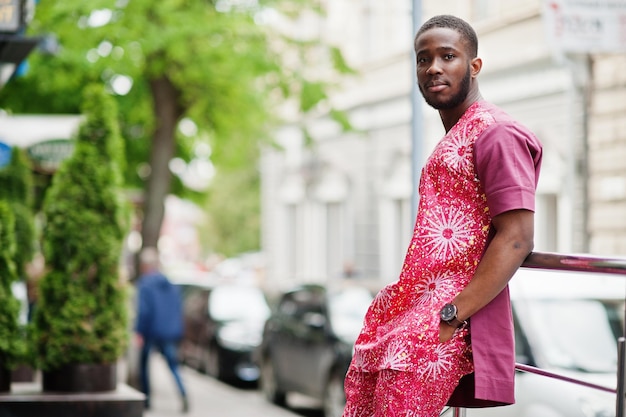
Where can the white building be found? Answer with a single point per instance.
(346, 200)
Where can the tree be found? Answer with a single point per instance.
(17, 245)
(12, 341)
(209, 62)
(235, 231)
(16, 187)
(82, 310)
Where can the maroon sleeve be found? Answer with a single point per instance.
(508, 160)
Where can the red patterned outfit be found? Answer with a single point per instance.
(399, 366)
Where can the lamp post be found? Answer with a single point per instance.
(14, 46)
(417, 124)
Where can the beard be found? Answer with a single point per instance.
(456, 99)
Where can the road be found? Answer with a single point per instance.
(211, 398)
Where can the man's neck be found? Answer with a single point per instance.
(450, 117)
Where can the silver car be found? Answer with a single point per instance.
(566, 323)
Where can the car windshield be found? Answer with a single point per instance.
(577, 334)
(347, 309)
(229, 303)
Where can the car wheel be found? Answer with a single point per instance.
(334, 396)
(212, 362)
(269, 385)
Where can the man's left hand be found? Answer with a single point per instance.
(445, 332)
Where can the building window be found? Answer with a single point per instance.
(334, 240)
(404, 228)
(494, 10)
(546, 221)
(291, 255)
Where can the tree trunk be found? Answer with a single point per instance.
(167, 111)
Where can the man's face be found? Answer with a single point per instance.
(443, 68)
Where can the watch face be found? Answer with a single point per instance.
(448, 312)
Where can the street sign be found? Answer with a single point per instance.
(48, 155)
(586, 26)
(10, 14)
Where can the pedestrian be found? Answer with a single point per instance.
(159, 321)
(443, 333)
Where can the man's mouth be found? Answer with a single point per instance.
(436, 86)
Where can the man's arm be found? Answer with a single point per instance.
(143, 311)
(512, 242)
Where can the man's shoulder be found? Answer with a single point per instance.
(493, 113)
(153, 278)
(483, 118)
(496, 121)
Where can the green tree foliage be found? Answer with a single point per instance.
(16, 188)
(232, 228)
(81, 315)
(12, 342)
(208, 61)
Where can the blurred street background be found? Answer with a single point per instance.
(210, 397)
(271, 150)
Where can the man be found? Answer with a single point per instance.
(159, 321)
(448, 318)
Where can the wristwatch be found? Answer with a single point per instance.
(448, 315)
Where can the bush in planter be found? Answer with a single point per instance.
(16, 187)
(81, 316)
(12, 341)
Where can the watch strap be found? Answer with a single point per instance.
(455, 322)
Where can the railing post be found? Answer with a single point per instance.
(458, 412)
(621, 362)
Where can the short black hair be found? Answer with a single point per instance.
(452, 22)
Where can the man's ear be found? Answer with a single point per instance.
(476, 65)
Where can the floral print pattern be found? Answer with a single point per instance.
(399, 367)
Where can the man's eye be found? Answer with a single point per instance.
(421, 60)
(449, 57)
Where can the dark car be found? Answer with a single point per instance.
(223, 327)
(308, 343)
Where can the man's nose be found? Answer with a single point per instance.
(435, 67)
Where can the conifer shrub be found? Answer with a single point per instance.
(16, 187)
(12, 340)
(81, 315)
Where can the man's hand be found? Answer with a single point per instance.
(512, 243)
(445, 332)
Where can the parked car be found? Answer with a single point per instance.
(308, 343)
(223, 327)
(566, 323)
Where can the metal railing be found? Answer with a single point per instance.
(579, 263)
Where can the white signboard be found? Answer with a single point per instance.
(586, 26)
(9, 15)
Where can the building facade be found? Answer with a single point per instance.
(607, 155)
(343, 204)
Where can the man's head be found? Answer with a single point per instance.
(149, 259)
(447, 64)
(468, 35)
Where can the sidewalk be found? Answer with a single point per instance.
(207, 397)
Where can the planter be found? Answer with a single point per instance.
(5, 380)
(23, 373)
(80, 377)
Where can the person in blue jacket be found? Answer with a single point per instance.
(159, 321)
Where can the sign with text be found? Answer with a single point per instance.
(586, 26)
(48, 155)
(10, 11)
